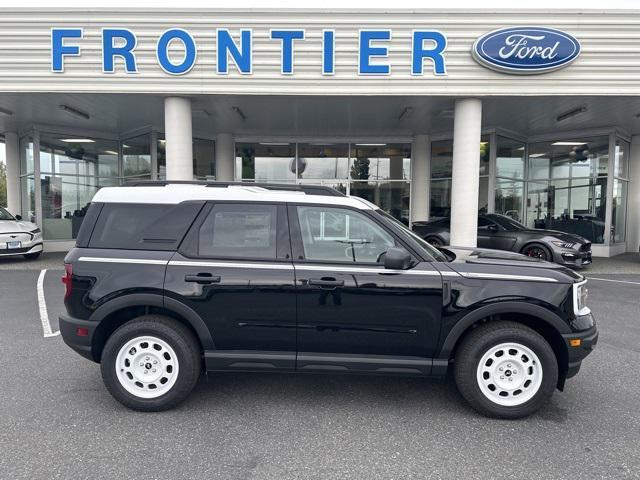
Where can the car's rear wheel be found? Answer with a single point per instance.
(536, 250)
(151, 363)
(505, 370)
(435, 241)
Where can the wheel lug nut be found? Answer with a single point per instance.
(154, 370)
(141, 364)
(510, 379)
(155, 362)
(501, 369)
(501, 377)
(147, 358)
(146, 371)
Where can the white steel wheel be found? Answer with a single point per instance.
(147, 367)
(509, 374)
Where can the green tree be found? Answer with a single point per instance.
(3, 184)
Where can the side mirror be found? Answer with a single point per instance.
(397, 259)
(18, 217)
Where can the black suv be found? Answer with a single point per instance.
(169, 279)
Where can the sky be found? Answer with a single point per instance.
(335, 4)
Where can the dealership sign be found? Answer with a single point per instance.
(526, 50)
(235, 51)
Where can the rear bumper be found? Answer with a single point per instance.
(80, 343)
(588, 340)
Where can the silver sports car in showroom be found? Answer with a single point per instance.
(18, 237)
(504, 233)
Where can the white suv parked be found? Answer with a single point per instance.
(18, 237)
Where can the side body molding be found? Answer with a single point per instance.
(502, 307)
(157, 300)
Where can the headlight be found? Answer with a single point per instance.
(580, 293)
(563, 244)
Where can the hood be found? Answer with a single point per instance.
(482, 256)
(562, 236)
(9, 226)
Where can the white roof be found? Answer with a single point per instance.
(176, 193)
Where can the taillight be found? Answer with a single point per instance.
(66, 279)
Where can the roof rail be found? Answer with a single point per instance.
(291, 187)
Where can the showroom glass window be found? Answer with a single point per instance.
(324, 163)
(509, 185)
(620, 189)
(266, 162)
(204, 165)
(72, 169)
(136, 158)
(441, 172)
(381, 173)
(567, 183)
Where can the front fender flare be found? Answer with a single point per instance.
(472, 317)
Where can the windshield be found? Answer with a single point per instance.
(4, 215)
(506, 222)
(430, 250)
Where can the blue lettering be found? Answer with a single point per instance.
(367, 51)
(162, 51)
(287, 37)
(109, 51)
(328, 52)
(435, 53)
(59, 50)
(241, 56)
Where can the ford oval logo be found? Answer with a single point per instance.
(526, 50)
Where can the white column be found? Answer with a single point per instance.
(178, 135)
(466, 167)
(12, 150)
(225, 157)
(420, 181)
(633, 208)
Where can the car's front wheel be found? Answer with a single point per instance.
(505, 370)
(536, 250)
(151, 363)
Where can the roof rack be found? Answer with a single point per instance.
(290, 187)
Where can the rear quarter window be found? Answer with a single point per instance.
(143, 226)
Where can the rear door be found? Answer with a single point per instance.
(234, 269)
(353, 314)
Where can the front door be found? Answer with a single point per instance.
(353, 314)
(234, 270)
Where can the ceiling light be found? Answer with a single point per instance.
(274, 144)
(520, 148)
(484, 143)
(162, 141)
(536, 155)
(571, 113)
(77, 140)
(110, 152)
(406, 112)
(569, 143)
(240, 113)
(446, 113)
(371, 144)
(6, 112)
(75, 112)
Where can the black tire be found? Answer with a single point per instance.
(532, 248)
(478, 342)
(32, 256)
(176, 335)
(434, 241)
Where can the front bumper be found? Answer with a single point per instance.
(573, 258)
(587, 342)
(80, 343)
(4, 252)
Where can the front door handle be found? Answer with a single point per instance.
(202, 278)
(326, 282)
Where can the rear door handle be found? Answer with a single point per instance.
(202, 278)
(326, 283)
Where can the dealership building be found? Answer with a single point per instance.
(533, 114)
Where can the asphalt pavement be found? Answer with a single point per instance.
(58, 421)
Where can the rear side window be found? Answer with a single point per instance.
(143, 226)
(239, 231)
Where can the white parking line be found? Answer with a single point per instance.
(616, 281)
(42, 306)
